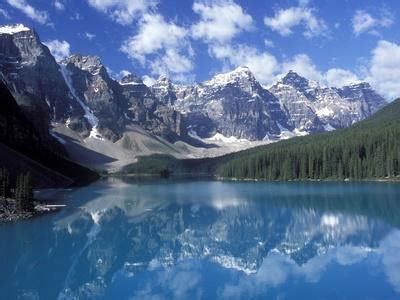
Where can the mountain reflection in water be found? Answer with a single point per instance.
(121, 239)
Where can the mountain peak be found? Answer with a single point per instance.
(240, 73)
(131, 79)
(242, 69)
(293, 78)
(13, 28)
(298, 82)
(359, 84)
(89, 63)
(163, 79)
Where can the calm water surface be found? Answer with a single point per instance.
(205, 240)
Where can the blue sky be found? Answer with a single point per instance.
(333, 42)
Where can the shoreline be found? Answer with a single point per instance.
(45, 203)
(396, 180)
(218, 178)
(8, 213)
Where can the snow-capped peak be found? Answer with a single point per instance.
(225, 78)
(11, 29)
(163, 78)
(242, 69)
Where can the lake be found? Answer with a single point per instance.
(130, 239)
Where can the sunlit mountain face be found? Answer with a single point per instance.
(120, 239)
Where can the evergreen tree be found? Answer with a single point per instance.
(4, 183)
(18, 192)
(24, 192)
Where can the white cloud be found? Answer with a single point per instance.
(381, 71)
(220, 21)
(267, 69)
(166, 42)
(76, 17)
(389, 249)
(269, 43)
(303, 65)
(172, 62)
(339, 77)
(89, 36)
(4, 13)
(365, 22)
(154, 34)
(36, 15)
(59, 49)
(123, 11)
(59, 5)
(148, 80)
(277, 268)
(384, 69)
(124, 73)
(262, 64)
(285, 19)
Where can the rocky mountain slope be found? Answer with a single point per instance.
(24, 149)
(367, 150)
(78, 95)
(232, 104)
(312, 108)
(154, 114)
(35, 79)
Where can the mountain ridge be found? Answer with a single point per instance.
(78, 94)
(367, 150)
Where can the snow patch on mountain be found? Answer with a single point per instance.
(230, 77)
(233, 104)
(288, 134)
(228, 140)
(329, 127)
(130, 83)
(313, 108)
(90, 117)
(325, 112)
(12, 29)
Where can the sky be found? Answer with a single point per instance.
(333, 42)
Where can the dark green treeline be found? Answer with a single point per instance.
(369, 149)
(21, 193)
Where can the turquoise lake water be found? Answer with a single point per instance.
(121, 239)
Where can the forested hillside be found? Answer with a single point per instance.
(369, 149)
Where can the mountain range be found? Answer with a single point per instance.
(367, 150)
(106, 123)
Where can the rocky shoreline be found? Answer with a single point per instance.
(9, 213)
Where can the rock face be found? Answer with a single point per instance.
(99, 96)
(232, 104)
(34, 78)
(110, 105)
(151, 109)
(25, 149)
(79, 93)
(312, 108)
(235, 104)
